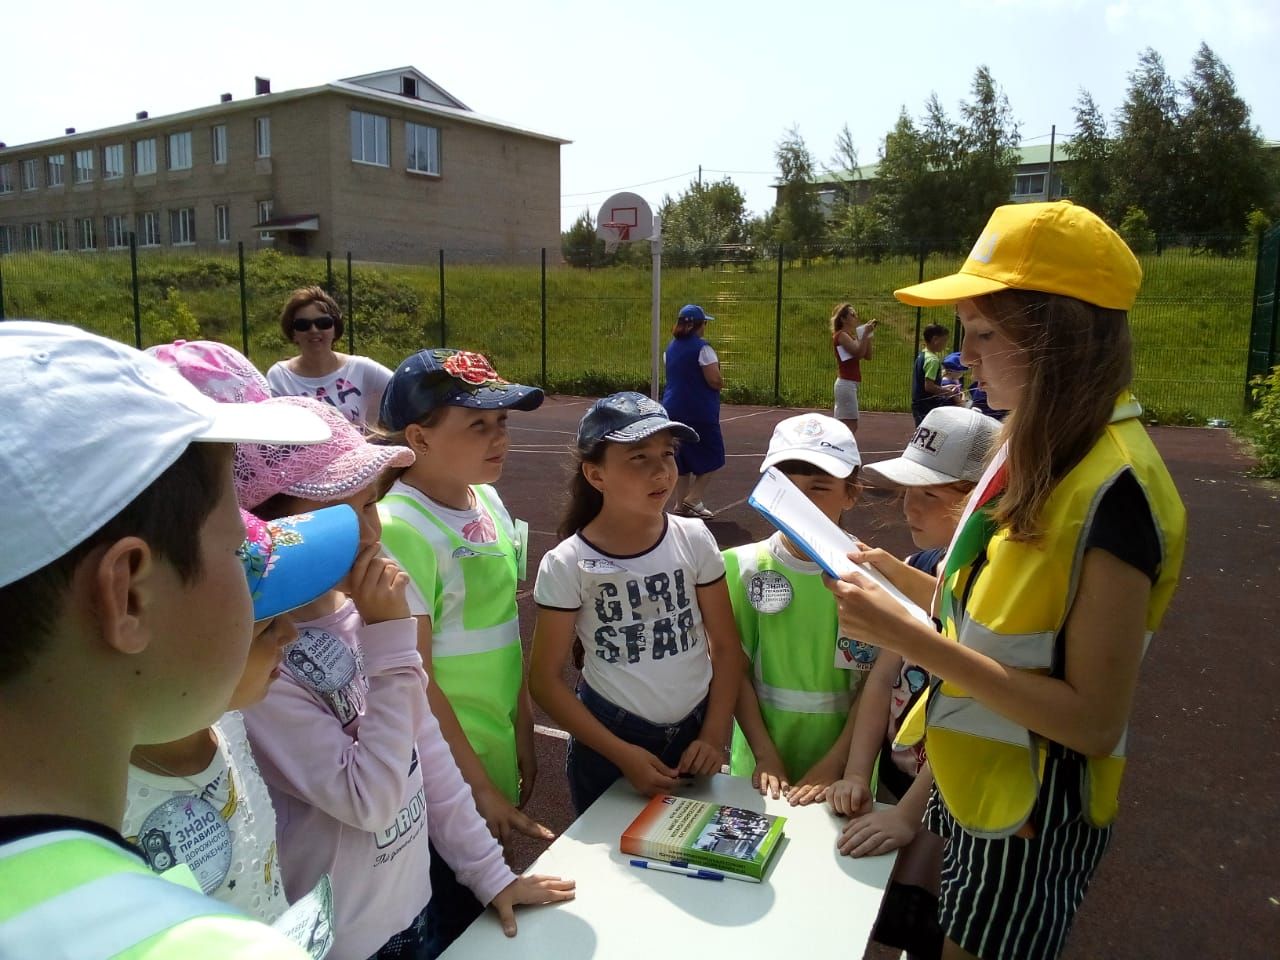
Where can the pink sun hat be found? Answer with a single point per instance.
(220, 372)
(328, 471)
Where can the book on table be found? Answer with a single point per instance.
(736, 842)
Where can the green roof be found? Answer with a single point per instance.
(1037, 153)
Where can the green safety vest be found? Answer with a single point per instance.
(77, 896)
(804, 697)
(476, 658)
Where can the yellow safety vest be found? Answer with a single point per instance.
(1010, 601)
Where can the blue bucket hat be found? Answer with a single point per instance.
(694, 313)
(294, 560)
(440, 377)
(627, 417)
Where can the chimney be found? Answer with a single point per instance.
(140, 115)
(261, 85)
(225, 98)
(70, 130)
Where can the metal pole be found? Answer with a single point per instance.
(919, 279)
(328, 272)
(1, 293)
(655, 313)
(544, 318)
(442, 326)
(137, 304)
(244, 302)
(1048, 177)
(777, 331)
(351, 311)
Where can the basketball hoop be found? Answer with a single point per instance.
(614, 232)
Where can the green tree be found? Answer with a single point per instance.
(580, 246)
(800, 220)
(702, 220)
(1088, 167)
(1224, 171)
(902, 182)
(1148, 146)
(986, 153)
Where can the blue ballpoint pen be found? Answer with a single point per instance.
(698, 873)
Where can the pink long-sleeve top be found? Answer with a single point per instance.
(359, 773)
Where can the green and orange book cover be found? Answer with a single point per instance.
(737, 842)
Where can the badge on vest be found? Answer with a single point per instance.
(855, 655)
(309, 921)
(768, 591)
(466, 553)
(188, 829)
(320, 661)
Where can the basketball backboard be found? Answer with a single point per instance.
(624, 217)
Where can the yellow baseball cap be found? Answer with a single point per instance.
(1051, 247)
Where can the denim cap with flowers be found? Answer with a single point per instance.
(440, 377)
(627, 417)
(294, 560)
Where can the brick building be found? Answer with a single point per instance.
(388, 166)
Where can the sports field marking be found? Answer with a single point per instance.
(744, 416)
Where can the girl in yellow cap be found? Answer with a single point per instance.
(1063, 564)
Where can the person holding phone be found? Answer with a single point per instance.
(852, 343)
(312, 321)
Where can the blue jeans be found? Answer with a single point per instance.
(450, 911)
(591, 774)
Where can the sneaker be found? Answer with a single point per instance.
(698, 509)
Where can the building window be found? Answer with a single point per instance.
(8, 238)
(6, 178)
(423, 145)
(113, 162)
(57, 169)
(58, 236)
(369, 139)
(262, 136)
(34, 237)
(264, 214)
(84, 165)
(1028, 185)
(149, 229)
(222, 222)
(144, 156)
(117, 231)
(182, 226)
(30, 174)
(180, 151)
(86, 239)
(219, 138)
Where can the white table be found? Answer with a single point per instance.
(811, 896)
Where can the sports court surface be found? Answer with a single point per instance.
(1194, 866)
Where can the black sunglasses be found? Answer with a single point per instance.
(303, 324)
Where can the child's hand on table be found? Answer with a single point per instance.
(533, 888)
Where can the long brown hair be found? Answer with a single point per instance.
(842, 313)
(1079, 360)
(584, 502)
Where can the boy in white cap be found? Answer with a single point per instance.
(795, 709)
(127, 620)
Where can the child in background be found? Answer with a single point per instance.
(937, 471)
(446, 527)
(363, 782)
(644, 593)
(927, 391)
(127, 618)
(953, 372)
(795, 710)
(210, 777)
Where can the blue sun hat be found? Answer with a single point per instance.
(628, 417)
(294, 560)
(952, 362)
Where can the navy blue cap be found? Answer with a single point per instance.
(440, 377)
(694, 313)
(952, 362)
(627, 417)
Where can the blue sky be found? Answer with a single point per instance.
(647, 91)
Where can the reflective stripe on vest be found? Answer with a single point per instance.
(988, 768)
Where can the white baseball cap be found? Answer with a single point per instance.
(951, 444)
(822, 441)
(89, 423)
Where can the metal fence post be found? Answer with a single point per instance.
(544, 319)
(137, 303)
(777, 332)
(328, 272)
(351, 311)
(1, 293)
(920, 255)
(244, 302)
(442, 324)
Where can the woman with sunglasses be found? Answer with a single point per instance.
(311, 320)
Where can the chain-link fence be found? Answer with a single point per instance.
(577, 330)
